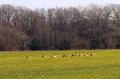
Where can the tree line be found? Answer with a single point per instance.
(91, 27)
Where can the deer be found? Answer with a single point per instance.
(86, 55)
(43, 56)
(74, 54)
(92, 54)
(54, 56)
(81, 55)
(65, 55)
(28, 57)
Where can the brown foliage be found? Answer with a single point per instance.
(93, 27)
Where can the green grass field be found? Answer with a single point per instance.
(104, 65)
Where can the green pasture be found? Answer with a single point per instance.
(104, 65)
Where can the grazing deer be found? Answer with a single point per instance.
(28, 57)
(92, 54)
(43, 56)
(54, 56)
(86, 55)
(74, 54)
(81, 55)
(65, 55)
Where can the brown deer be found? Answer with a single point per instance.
(81, 55)
(43, 56)
(86, 55)
(65, 55)
(54, 56)
(92, 54)
(74, 54)
(28, 57)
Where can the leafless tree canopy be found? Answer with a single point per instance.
(92, 27)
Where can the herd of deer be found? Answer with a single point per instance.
(66, 55)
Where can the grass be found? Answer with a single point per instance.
(104, 65)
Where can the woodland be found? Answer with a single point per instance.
(71, 28)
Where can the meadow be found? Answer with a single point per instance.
(104, 65)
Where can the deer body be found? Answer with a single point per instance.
(81, 55)
(92, 54)
(43, 56)
(54, 56)
(74, 54)
(28, 57)
(65, 55)
(86, 55)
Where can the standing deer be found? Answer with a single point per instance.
(86, 55)
(43, 56)
(65, 55)
(28, 57)
(92, 54)
(81, 55)
(74, 54)
(54, 56)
